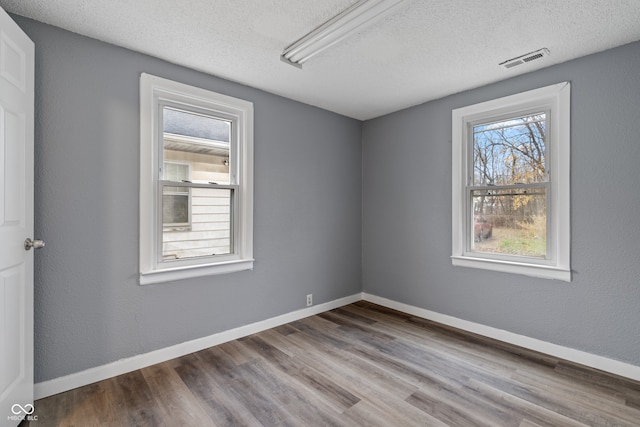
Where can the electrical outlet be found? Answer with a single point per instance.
(309, 300)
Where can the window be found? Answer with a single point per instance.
(196, 182)
(511, 184)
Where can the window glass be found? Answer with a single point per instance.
(511, 151)
(210, 230)
(175, 209)
(175, 200)
(509, 210)
(511, 222)
(187, 123)
(195, 151)
(190, 138)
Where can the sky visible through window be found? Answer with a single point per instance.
(196, 125)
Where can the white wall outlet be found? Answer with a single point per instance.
(309, 300)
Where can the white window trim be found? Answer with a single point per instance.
(154, 91)
(556, 98)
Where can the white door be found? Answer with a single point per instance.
(16, 222)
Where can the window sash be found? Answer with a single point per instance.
(235, 172)
(470, 187)
(234, 191)
(470, 215)
(491, 119)
(234, 186)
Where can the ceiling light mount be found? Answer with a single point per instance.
(361, 15)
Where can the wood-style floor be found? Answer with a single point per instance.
(360, 365)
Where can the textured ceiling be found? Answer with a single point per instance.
(429, 49)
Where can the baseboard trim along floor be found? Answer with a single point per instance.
(99, 373)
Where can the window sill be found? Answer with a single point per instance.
(187, 272)
(533, 270)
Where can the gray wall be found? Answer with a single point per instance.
(407, 214)
(89, 308)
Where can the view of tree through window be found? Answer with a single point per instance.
(509, 186)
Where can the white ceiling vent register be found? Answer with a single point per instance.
(361, 15)
(523, 59)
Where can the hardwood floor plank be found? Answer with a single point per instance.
(302, 407)
(470, 340)
(328, 384)
(388, 413)
(535, 414)
(574, 391)
(366, 414)
(176, 405)
(449, 413)
(595, 377)
(377, 387)
(134, 400)
(375, 308)
(237, 352)
(447, 345)
(239, 384)
(361, 374)
(342, 311)
(528, 423)
(221, 407)
(358, 365)
(285, 329)
(632, 399)
(310, 378)
(521, 408)
(559, 404)
(52, 410)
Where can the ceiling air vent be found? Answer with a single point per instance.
(523, 59)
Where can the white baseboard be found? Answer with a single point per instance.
(577, 356)
(99, 373)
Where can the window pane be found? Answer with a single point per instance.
(510, 222)
(195, 125)
(175, 208)
(510, 151)
(199, 142)
(176, 172)
(209, 232)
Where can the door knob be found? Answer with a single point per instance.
(36, 244)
